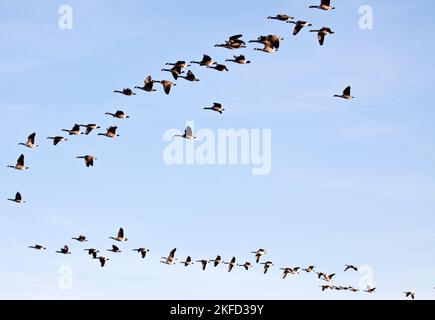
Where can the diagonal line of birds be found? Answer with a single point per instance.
(270, 44)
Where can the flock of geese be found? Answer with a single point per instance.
(271, 43)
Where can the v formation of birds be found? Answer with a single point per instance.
(271, 44)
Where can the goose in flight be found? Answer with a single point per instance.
(18, 198)
(75, 131)
(218, 67)
(170, 259)
(175, 71)
(187, 262)
(179, 64)
(89, 127)
(206, 61)
(409, 294)
(148, 85)
(321, 33)
(30, 142)
(325, 286)
(110, 132)
(352, 289)
(190, 77)
(102, 260)
(272, 41)
(346, 94)
(119, 114)
(142, 251)
(233, 42)
(216, 107)
(258, 254)
(125, 91)
(20, 164)
(370, 290)
(114, 249)
(57, 139)
(246, 265)
(203, 263)
(324, 5)
(92, 251)
(349, 266)
(89, 160)
(167, 85)
(309, 269)
(267, 265)
(231, 264)
(328, 278)
(38, 247)
(216, 261)
(64, 250)
(239, 59)
(80, 238)
(120, 237)
(287, 271)
(299, 25)
(187, 134)
(281, 17)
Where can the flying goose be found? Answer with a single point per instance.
(231, 264)
(89, 127)
(233, 42)
(57, 139)
(120, 237)
(266, 48)
(148, 85)
(114, 249)
(142, 251)
(92, 251)
(203, 263)
(352, 289)
(346, 94)
(190, 76)
(175, 71)
(20, 164)
(170, 259)
(409, 294)
(126, 92)
(75, 131)
(187, 134)
(30, 142)
(321, 33)
(258, 254)
(64, 250)
(89, 160)
(349, 266)
(287, 271)
(246, 265)
(281, 17)
(299, 25)
(216, 261)
(309, 269)
(324, 5)
(179, 64)
(187, 262)
(118, 114)
(272, 41)
(239, 59)
(102, 260)
(216, 107)
(18, 198)
(167, 85)
(206, 61)
(326, 286)
(328, 278)
(218, 67)
(370, 290)
(110, 132)
(267, 265)
(37, 247)
(80, 238)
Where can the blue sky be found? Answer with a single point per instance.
(351, 181)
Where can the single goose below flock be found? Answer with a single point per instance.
(346, 94)
(38, 247)
(118, 114)
(187, 134)
(80, 238)
(20, 164)
(89, 160)
(216, 107)
(18, 198)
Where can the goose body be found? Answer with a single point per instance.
(167, 85)
(187, 262)
(409, 294)
(18, 198)
(175, 71)
(170, 259)
(64, 250)
(89, 160)
(74, 131)
(216, 261)
(89, 127)
(102, 260)
(246, 265)
(190, 77)
(321, 33)
(299, 25)
(258, 254)
(206, 61)
(30, 141)
(114, 249)
(119, 114)
(142, 251)
(125, 91)
(234, 42)
(231, 264)
(239, 59)
(187, 134)
(57, 139)
(324, 5)
(20, 164)
(345, 95)
(281, 17)
(80, 238)
(110, 132)
(148, 85)
(217, 107)
(120, 237)
(218, 67)
(38, 247)
(350, 267)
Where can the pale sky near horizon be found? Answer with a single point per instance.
(352, 182)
